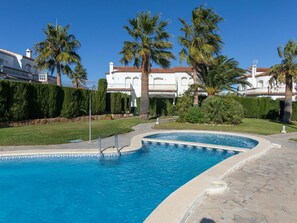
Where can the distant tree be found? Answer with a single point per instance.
(222, 74)
(149, 44)
(57, 51)
(286, 72)
(78, 76)
(200, 42)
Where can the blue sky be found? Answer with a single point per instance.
(252, 29)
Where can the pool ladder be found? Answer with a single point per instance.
(116, 145)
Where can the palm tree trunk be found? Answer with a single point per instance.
(195, 81)
(144, 100)
(288, 99)
(59, 81)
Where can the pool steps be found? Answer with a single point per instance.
(204, 145)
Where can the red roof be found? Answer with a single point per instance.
(262, 69)
(153, 70)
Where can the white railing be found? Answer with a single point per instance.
(152, 87)
(263, 90)
(119, 86)
(163, 87)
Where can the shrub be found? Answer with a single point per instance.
(184, 103)
(4, 98)
(256, 107)
(19, 109)
(222, 110)
(75, 103)
(116, 103)
(194, 115)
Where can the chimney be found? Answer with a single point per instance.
(254, 70)
(29, 53)
(110, 67)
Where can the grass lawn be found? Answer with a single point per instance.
(256, 126)
(294, 140)
(58, 133)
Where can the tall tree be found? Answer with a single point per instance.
(149, 45)
(222, 74)
(78, 76)
(200, 42)
(286, 72)
(57, 51)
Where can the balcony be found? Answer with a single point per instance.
(119, 87)
(264, 91)
(16, 73)
(162, 87)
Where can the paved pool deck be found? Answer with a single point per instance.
(263, 190)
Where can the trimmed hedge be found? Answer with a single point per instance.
(20, 101)
(255, 107)
(161, 106)
(116, 103)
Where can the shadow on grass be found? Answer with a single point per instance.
(291, 124)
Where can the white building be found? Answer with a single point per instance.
(17, 67)
(259, 79)
(169, 83)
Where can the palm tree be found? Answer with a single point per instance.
(222, 74)
(200, 42)
(78, 76)
(149, 44)
(57, 51)
(285, 72)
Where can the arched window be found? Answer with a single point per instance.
(135, 81)
(184, 81)
(158, 80)
(127, 81)
(260, 84)
(191, 81)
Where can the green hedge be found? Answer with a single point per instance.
(20, 101)
(116, 103)
(161, 106)
(255, 107)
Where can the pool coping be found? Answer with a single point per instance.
(178, 205)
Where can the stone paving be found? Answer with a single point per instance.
(264, 190)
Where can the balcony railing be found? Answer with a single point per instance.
(264, 91)
(152, 87)
(119, 86)
(16, 72)
(162, 87)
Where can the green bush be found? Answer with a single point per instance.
(194, 115)
(19, 109)
(116, 103)
(4, 99)
(75, 103)
(101, 96)
(184, 103)
(256, 107)
(102, 85)
(222, 110)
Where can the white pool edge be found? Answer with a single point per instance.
(178, 205)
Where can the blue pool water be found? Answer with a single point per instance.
(215, 139)
(92, 189)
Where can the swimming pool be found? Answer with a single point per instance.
(209, 138)
(92, 189)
